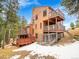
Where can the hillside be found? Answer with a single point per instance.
(69, 36)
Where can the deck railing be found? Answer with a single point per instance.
(54, 14)
(54, 27)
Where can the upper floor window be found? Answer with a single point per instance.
(44, 12)
(36, 17)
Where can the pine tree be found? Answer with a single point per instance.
(12, 18)
(72, 6)
(77, 23)
(72, 25)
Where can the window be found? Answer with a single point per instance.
(40, 25)
(36, 17)
(44, 12)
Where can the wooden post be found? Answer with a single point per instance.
(56, 31)
(61, 22)
(48, 32)
(45, 38)
(43, 32)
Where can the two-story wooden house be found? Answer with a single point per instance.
(47, 24)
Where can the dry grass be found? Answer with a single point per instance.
(5, 53)
(67, 38)
(75, 31)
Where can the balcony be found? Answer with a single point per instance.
(54, 28)
(53, 14)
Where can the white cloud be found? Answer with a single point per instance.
(24, 3)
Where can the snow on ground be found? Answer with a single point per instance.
(15, 57)
(69, 51)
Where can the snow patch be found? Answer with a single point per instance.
(15, 57)
(69, 51)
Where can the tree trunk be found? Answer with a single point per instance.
(4, 40)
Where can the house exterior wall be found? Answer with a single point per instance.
(39, 12)
(38, 20)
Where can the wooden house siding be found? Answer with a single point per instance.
(51, 24)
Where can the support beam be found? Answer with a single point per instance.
(48, 32)
(56, 32)
(61, 22)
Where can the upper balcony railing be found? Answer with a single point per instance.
(53, 14)
(60, 15)
(54, 28)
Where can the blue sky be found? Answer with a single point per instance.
(26, 7)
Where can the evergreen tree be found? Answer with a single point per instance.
(77, 23)
(11, 8)
(72, 25)
(72, 6)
